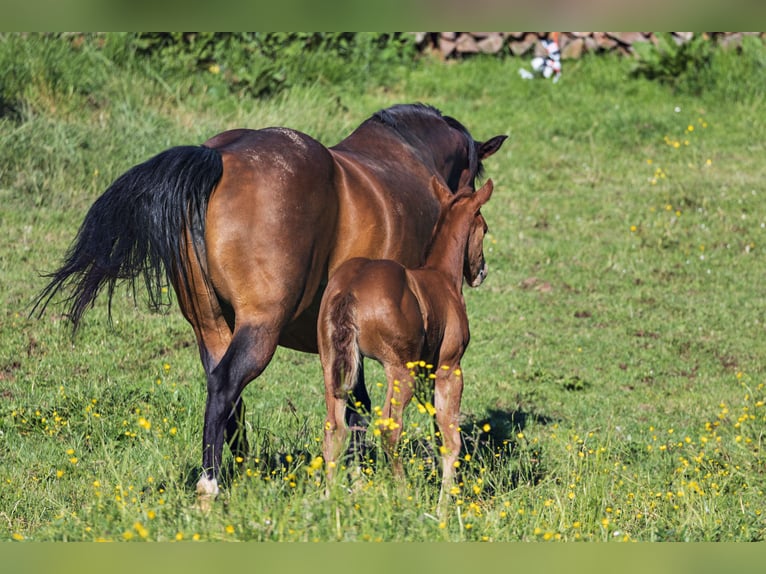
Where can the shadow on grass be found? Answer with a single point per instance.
(492, 447)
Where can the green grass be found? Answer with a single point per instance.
(617, 343)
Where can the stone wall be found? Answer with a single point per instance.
(572, 44)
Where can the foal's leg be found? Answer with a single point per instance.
(335, 429)
(398, 396)
(448, 390)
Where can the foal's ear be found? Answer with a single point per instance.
(484, 192)
(441, 191)
(465, 179)
(490, 146)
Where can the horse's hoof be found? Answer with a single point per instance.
(207, 491)
(204, 503)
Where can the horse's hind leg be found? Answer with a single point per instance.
(235, 434)
(250, 351)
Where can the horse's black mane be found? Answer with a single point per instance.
(396, 117)
(393, 116)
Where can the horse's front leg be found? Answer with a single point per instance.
(448, 391)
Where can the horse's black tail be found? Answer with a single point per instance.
(140, 226)
(344, 339)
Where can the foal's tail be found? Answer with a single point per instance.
(344, 339)
(140, 226)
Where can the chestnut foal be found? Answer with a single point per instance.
(379, 309)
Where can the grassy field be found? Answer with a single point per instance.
(615, 378)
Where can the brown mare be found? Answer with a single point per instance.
(248, 227)
(382, 310)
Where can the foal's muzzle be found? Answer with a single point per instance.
(479, 279)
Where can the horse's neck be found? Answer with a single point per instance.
(447, 251)
(370, 138)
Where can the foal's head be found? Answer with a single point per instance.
(464, 209)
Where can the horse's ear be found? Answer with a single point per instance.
(490, 146)
(484, 192)
(441, 191)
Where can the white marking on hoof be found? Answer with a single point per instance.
(207, 487)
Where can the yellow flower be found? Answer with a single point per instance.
(144, 424)
(140, 529)
(428, 407)
(17, 536)
(214, 69)
(229, 529)
(486, 427)
(59, 473)
(179, 536)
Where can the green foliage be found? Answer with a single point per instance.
(699, 66)
(259, 63)
(739, 74)
(671, 62)
(37, 66)
(251, 64)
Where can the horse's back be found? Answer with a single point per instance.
(270, 222)
(386, 209)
